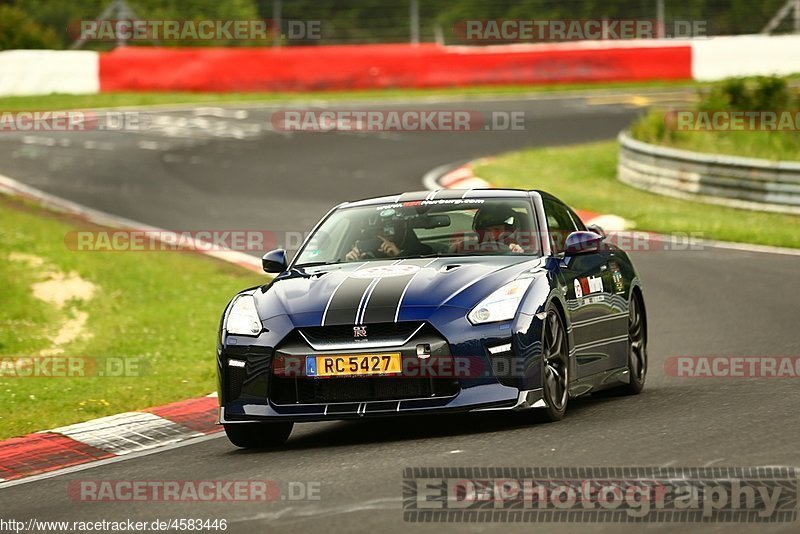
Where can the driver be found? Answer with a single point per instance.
(399, 240)
(495, 226)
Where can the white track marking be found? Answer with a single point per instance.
(15, 188)
(127, 432)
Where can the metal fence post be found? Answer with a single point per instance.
(796, 16)
(277, 23)
(414, 21)
(661, 32)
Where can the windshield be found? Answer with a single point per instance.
(423, 228)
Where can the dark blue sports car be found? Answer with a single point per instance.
(432, 302)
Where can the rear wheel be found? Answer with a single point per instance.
(637, 348)
(258, 435)
(555, 367)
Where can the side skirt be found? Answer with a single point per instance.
(599, 381)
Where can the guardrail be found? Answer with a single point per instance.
(747, 183)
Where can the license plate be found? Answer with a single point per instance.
(354, 365)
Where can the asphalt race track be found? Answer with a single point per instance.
(226, 169)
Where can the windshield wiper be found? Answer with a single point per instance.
(317, 263)
(436, 255)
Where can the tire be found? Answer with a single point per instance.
(258, 435)
(555, 367)
(637, 348)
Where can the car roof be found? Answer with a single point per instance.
(440, 194)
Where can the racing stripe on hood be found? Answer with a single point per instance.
(384, 299)
(344, 304)
(372, 293)
(348, 299)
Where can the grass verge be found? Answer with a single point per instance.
(103, 100)
(157, 313)
(585, 176)
(770, 145)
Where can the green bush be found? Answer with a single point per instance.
(748, 94)
(17, 30)
(762, 93)
(63, 14)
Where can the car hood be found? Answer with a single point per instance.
(386, 290)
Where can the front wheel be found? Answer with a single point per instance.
(258, 435)
(555, 367)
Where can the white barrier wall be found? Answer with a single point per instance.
(745, 55)
(41, 72)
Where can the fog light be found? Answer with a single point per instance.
(235, 363)
(497, 349)
(423, 351)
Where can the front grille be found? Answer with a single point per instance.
(358, 389)
(234, 379)
(377, 333)
(250, 381)
(290, 385)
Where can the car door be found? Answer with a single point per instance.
(589, 286)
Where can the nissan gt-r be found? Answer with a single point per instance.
(432, 302)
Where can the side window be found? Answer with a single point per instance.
(559, 223)
(577, 220)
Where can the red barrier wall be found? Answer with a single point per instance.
(383, 66)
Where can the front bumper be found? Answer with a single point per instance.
(486, 398)
(462, 379)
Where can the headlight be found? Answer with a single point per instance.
(502, 304)
(243, 318)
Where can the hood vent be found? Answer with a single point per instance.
(449, 267)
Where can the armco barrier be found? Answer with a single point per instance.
(383, 66)
(728, 180)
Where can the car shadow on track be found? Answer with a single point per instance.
(406, 428)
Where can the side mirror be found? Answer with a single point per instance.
(582, 243)
(596, 228)
(274, 261)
